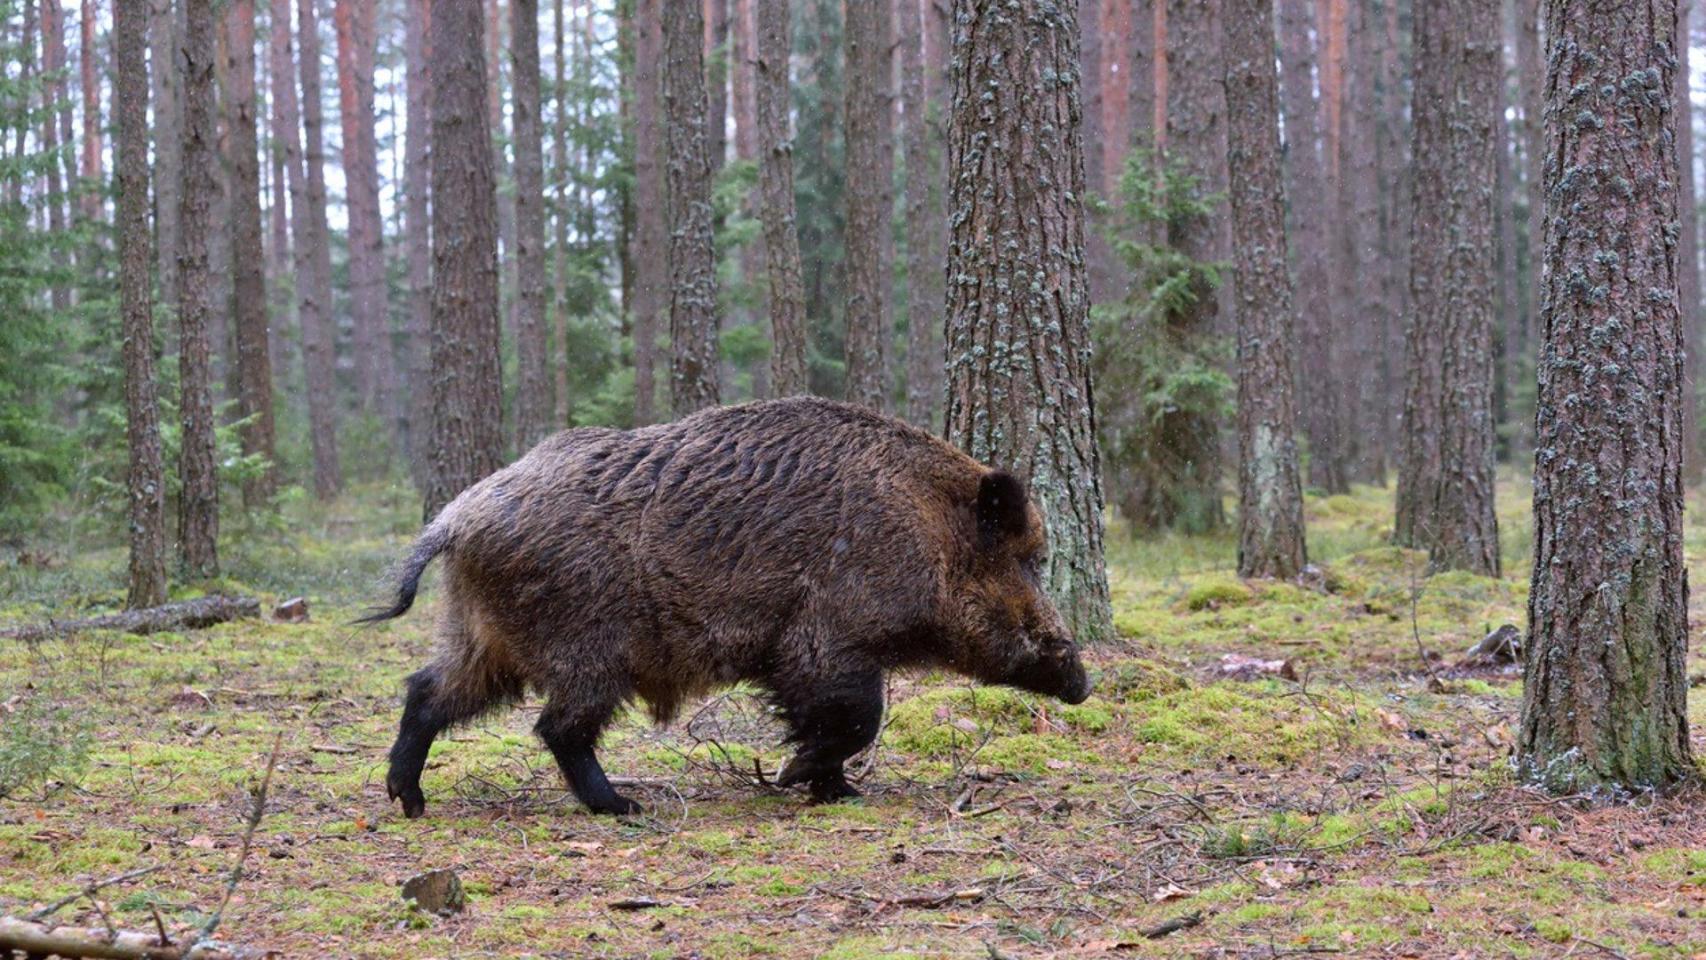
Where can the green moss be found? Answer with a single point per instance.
(1132, 680)
(1554, 929)
(866, 947)
(1222, 719)
(1215, 592)
(1031, 752)
(948, 722)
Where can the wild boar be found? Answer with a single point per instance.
(805, 545)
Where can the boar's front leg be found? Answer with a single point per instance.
(831, 719)
(571, 730)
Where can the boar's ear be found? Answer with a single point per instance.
(1001, 507)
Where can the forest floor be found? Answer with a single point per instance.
(1361, 809)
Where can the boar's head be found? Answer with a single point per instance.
(1010, 630)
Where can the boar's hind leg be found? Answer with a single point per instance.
(571, 730)
(426, 712)
(831, 720)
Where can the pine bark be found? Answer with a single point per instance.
(314, 268)
(925, 282)
(1270, 495)
(533, 388)
(560, 174)
(146, 479)
(198, 497)
(650, 254)
(1531, 80)
(1019, 393)
(281, 72)
(1688, 262)
(776, 182)
(1196, 138)
(467, 383)
(1305, 181)
(1365, 320)
(716, 83)
(53, 61)
(1445, 479)
(89, 67)
(870, 172)
(375, 372)
(248, 260)
(693, 316)
(1605, 682)
(417, 187)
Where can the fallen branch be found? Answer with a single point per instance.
(183, 615)
(37, 939)
(1167, 927)
(88, 891)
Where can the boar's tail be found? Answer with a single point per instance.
(430, 544)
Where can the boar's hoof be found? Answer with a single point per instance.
(827, 786)
(414, 802)
(833, 790)
(616, 806)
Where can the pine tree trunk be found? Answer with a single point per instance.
(89, 63)
(467, 386)
(147, 477)
(314, 268)
(560, 174)
(53, 62)
(281, 72)
(417, 186)
(870, 172)
(924, 277)
(1605, 683)
(1196, 138)
(1394, 278)
(248, 260)
(776, 182)
(1531, 79)
(716, 83)
(1019, 394)
(650, 254)
(693, 317)
(1305, 188)
(26, 54)
(1367, 323)
(198, 497)
(1445, 480)
(376, 377)
(533, 389)
(1688, 262)
(165, 37)
(1270, 495)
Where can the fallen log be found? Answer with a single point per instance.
(75, 943)
(182, 615)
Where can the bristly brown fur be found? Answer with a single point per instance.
(803, 544)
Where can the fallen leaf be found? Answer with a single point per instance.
(1171, 891)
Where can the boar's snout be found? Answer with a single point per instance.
(1077, 683)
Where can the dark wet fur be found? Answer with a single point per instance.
(802, 544)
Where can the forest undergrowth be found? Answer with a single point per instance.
(1266, 769)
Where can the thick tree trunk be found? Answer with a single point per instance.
(1196, 139)
(375, 371)
(870, 172)
(693, 317)
(1531, 79)
(1445, 480)
(533, 389)
(1605, 691)
(650, 254)
(417, 186)
(1019, 393)
(248, 260)
(467, 389)
(1688, 262)
(147, 473)
(165, 37)
(198, 497)
(925, 290)
(1364, 334)
(776, 181)
(1394, 277)
(560, 174)
(1270, 495)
